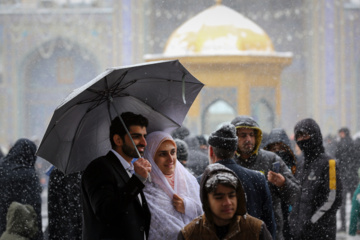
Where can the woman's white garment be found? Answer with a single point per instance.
(166, 222)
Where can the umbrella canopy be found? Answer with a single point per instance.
(78, 131)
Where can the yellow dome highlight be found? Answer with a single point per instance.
(218, 30)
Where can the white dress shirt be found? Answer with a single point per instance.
(128, 167)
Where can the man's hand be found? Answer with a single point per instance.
(276, 178)
(178, 203)
(142, 167)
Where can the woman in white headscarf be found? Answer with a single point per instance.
(173, 193)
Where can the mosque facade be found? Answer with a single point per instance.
(49, 48)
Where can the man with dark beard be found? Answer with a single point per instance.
(314, 213)
(114, 206)
(283, 185)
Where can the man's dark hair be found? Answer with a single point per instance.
(130, 119)
(202, 140)
(223, 153)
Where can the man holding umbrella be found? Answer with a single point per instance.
(114, 206)
(113, 203)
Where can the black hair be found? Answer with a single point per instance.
(130, 119)
(345, 130)
(223, 153)
(202, 140)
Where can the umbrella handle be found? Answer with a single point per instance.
(134, 160)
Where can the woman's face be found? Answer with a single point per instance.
(165, 157)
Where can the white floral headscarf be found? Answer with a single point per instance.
(159, 193)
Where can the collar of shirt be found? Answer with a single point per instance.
(126, 165)
(130, 169)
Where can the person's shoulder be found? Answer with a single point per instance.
(253, 224)
(325, 162)
(325, 158)
(243, 172)
(101, 158)
(197, 220)
(253, 173)
(264, 154)
(253, 219)
(266, 158)
(230, 163)
(192, 226)
(97, 164)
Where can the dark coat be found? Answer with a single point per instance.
(314, 213)
(64, 206)
(262, 160)
(111, 208)
(19, 181)
(348, 163)
(279, 136)
(287, 194)
(197, 160)
(258, 196)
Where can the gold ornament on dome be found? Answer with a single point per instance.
(218, 30)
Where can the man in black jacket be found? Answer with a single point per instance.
(348, 165)
(314, 213)
(114, 206)
(64, 206)
(283, 185)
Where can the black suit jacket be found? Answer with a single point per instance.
(111, 207)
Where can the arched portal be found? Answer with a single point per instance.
(216, 114)
(47, 80)
(263, 114)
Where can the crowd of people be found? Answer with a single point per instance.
(237, 183)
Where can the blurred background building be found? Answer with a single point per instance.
(50, 47)
(236, 61)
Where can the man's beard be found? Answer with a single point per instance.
(247, 149)
(131, 151)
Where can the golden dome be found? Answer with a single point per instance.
(218, 30)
